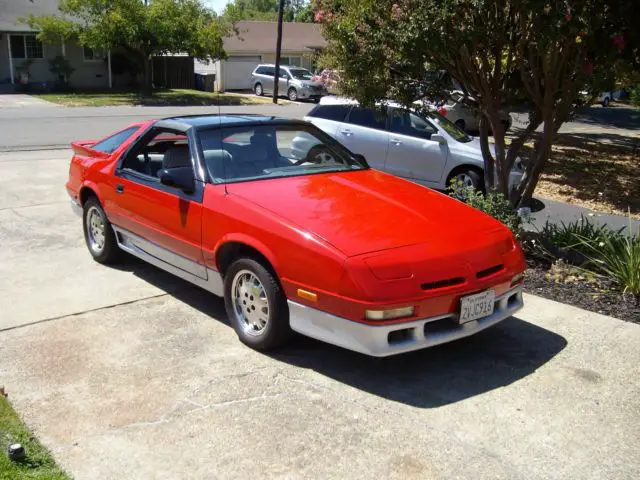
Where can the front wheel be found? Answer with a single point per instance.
(605, 102)
(469, 178)
(292, 94)
(256, 305)
(98, 234)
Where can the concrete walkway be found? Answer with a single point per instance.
(19, 100)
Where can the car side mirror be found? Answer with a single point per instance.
(361, 159)
(436, 137)
(178, 177)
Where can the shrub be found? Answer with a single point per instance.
(617, 256)
(492, 203)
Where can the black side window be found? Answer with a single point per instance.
(336, 113)
(269, 71)
(109, 145)
(163, 149)
(260, 70)
(366, 117)
(407, 123)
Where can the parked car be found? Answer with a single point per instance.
(603, 98)
(425, 148)
(296, 83)
(463, 111)
(322, 245)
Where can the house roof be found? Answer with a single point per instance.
(12, 10)
(257, 36)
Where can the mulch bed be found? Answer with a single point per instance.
(596, 295)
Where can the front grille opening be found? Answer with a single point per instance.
(487, 272)
(400, 336)
(449, 282)
(439, 326)
(513, 300)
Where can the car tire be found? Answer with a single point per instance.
(98, 233)
(292, 94)
(469, 177)
(256, 305)
(606, 101)
(460, 124)
(257, 89)
(319, 154)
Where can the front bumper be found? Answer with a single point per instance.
(385, 340)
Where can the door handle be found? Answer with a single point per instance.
(119, 188)
(348, 133)
(396, 141)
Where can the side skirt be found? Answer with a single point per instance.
(141, 248)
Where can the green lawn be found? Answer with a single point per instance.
(38, 463)
(169, 97)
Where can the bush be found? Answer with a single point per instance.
(617, 256)
(492, 203)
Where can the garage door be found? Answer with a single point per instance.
(237, 72)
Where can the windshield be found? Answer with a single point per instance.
(301, 73)
(448, 126)
(259, 152)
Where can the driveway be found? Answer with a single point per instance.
(128, 372)
(19, 100)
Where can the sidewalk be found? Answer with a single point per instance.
(557, 212)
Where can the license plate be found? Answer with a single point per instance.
(477, 306)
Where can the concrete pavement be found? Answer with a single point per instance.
(130, 373)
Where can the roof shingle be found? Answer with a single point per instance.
(259, 36)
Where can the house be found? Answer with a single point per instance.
(24, 59)
(255, 43)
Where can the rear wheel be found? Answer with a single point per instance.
(258, 89)
(256, 305)
(98, 234)
(292, 94)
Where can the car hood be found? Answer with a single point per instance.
(366, 211)
(471, 148)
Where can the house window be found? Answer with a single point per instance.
(26, 46)
(291, 61)
(92, 55)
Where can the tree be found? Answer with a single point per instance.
(161, 27)
(538, 51)
(295, 10)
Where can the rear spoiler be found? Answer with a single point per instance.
(83, 147)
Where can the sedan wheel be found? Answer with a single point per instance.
(256, 305)
(250, 303)
(98, 234)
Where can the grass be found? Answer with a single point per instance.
(168, 97)
(598, 171)
(38, 464)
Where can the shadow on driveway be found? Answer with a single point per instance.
(427, 378)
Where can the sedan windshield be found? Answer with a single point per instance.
(259, 152)
(301, 73)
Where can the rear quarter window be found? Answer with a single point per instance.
(260, 70)
(110, 144)
(336, 113)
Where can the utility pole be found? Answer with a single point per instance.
(276, 74)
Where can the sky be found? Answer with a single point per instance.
(217, 5)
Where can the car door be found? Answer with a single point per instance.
(267, 79)
(364, 132)
(284, 81)
(162, 221)
(411, 153)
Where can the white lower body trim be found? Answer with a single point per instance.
(76, 208)
(385, 340)
(188, 270)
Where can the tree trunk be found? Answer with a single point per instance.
(147, 85)
(489, 161)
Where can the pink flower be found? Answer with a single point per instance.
(619, 41)
(320, 16)
(568, 17)
(396, 11)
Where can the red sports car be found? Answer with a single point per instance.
(308, 240)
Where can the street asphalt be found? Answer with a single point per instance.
(129, 373)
